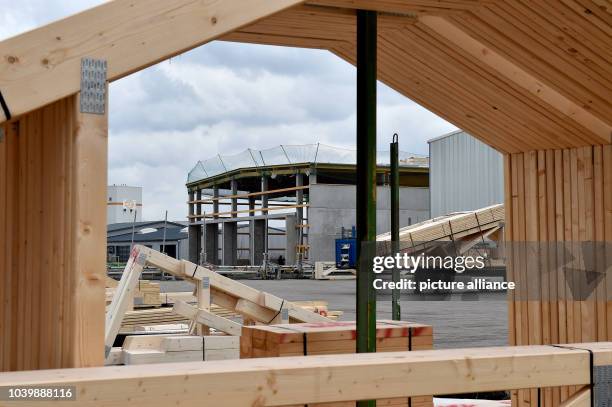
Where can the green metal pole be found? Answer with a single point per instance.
(366, 181)
(395, 224)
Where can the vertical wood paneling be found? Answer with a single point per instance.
(52, 206)
(564, 196)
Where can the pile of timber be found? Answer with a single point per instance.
(146, 294)
(140, 319)
(336, 338)
(136, 320)
(318, 306)
(454, 226)
(144, 349)
(211, 289)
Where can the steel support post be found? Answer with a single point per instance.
(366, 180)
(395, 223)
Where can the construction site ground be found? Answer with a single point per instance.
(460, 321)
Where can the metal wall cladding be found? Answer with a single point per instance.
(465, 174)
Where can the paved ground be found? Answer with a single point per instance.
(460, 322)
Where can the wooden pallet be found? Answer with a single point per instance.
(336, 338)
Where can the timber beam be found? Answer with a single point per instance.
(319, 379)
(45, 64)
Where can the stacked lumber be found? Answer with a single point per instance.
(559, 208)
(163, 316)
(171, 297)
(155, 316)
(144, 349)
(320, 307)
(110, 282)
(167, 316)
(251, 304)
(336, 338)
(146, 293)
(454, 226)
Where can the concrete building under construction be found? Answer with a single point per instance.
(304, 193)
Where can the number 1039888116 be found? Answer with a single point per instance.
(37, 393)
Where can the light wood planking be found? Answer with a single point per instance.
(563, 192)
(52, 273)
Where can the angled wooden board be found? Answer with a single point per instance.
(41, 66)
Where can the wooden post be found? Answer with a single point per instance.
(203, 295)
(89, 225)
(53, 266)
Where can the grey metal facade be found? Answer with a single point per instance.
(334, 206)
(465, 174)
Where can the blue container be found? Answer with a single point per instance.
(346, 253)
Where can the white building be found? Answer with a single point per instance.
(464, 174)
(123, 203)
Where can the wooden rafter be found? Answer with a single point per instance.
(518, 75)
(131, 35)
(543, 106)
(521, 77)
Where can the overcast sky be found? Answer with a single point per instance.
(223, 98)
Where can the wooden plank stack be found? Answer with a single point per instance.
(336, 338)
(451, 227)
(156, 316)
(146, 293)
(144, 349)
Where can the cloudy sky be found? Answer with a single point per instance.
(223, 98)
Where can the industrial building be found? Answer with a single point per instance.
(167, 237)
(307, 192)
(123, 204)
(464, 174)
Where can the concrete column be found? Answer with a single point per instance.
(230, 243)
(234, 188)
(216, 201)
(264, 211)
(291, 239)
(299, 196)
(257, 236)
(264, 198)
(194, 232)
(199, 205)
(312, 178)
(195, 246)
(252, 206)
(191, 207)
(211, 241)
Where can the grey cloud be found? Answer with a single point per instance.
(247, 59)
